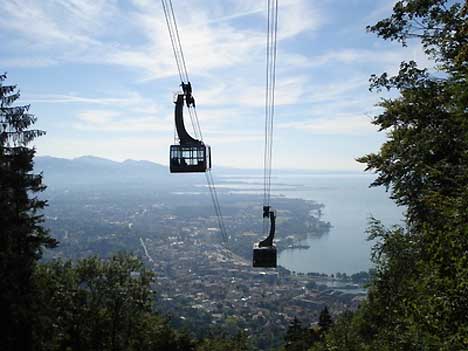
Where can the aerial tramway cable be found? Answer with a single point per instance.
(270, 77)
(184, 78)
(264, 252)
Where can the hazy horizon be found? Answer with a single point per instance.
(352, 171)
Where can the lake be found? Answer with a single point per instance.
(349, 203)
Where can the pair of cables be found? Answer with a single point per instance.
(270, 73)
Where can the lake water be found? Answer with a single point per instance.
(349, 203)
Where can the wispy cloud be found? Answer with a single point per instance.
(233, 137)
(133, 100)
(288, 91)
(22, 62)
(342, 124)
(88, 31)
(297, 17)
(113, 121)
(53, 23)
(336, 91)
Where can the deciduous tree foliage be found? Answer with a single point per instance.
(220, 343)
(93, 305)
(21, 235)
(418, 299)
(108, 305)
(97, 304)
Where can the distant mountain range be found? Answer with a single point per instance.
(92, 170)
(95, 164)
(95, 170)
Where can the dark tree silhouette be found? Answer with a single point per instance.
(325, 320)
(299, 338)
(21, 234)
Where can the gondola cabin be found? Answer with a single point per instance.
(189, 158)
(264, 257)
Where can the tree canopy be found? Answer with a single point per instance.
(418, 298)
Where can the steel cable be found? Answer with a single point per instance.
(270, 85)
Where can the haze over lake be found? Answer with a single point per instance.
(349, 203)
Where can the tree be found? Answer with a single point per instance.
(294, 333)
(222, 342)
(344, 335)
(421, 269)
(299, 338)
(418, 297)
(97, 304)
(22, 236)
(325, 320)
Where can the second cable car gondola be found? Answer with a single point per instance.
(189, 155)
(264, 252)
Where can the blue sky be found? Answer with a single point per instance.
(100, 77)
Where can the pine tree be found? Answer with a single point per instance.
(299, 338)
(22, 236)
(295, 331)
(325, 320)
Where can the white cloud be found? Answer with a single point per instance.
(68, 23)
(207, 45)
(115, 121)
(297, 17)
(74, 31)
(27, 62)
(387, 58)
(341, 124)
(133, 100)
(98, 118)
(288, 91)
(335, 91)
(233, 137)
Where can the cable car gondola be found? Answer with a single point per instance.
(264, 252)
(190, 155)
